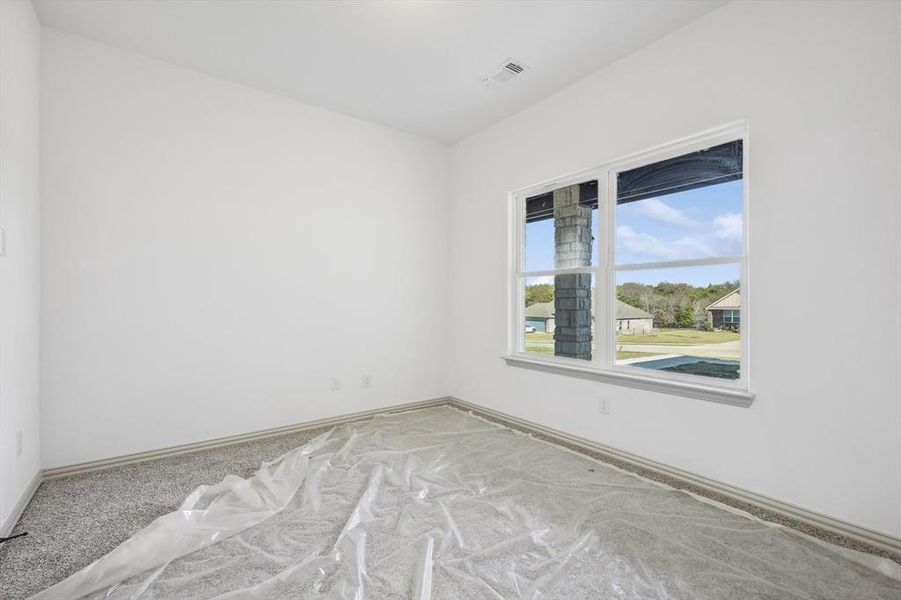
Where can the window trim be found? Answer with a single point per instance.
(602, 366)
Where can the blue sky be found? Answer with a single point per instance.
(699, 223)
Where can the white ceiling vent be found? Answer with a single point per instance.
(509, 69)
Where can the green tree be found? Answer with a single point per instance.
(674, 304)
(539, 292)
(685, 317)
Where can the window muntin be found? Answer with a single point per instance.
(676, 218)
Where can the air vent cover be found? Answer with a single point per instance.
(509, 69)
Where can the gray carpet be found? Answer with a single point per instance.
(75, 520)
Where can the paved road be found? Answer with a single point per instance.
(727, 350)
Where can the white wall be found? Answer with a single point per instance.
(20, 59)
(819, 85)
(213, 255)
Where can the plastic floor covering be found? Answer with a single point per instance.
(438, 504)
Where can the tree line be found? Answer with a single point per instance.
(540, 292)
(672, 304)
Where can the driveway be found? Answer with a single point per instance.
(726, 350)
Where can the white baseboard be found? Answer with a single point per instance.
(7, 526)
(709, 487)
(107, 463)
(715, 489)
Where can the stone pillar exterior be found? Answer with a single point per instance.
(572, 293)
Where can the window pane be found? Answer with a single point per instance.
(561, 227)
(681, 320)
(702, 222)
(558, 316)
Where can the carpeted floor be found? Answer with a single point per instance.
(506, 516)
(75, 520)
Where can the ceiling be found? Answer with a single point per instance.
(414, 66)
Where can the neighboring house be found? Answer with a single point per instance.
(629, 319)
(725, 313)
(541, 316)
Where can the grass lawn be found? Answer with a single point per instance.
(679, 337)
(540, 343)
(540, 336)
(626, 355)
(543, 343)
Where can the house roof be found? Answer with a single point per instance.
(732, 300)
(541, 310)
(627, 311)
(545, 310)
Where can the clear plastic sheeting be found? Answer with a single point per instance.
(437, 504)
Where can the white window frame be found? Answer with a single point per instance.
(602, 366)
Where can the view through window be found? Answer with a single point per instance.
(678, 248)
(674, 267)
(560, 233)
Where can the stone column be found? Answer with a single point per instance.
(572, 293)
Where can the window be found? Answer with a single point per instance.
(560, 230)
(635, 272)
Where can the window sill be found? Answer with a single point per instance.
(700, 391)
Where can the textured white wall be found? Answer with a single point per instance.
(819, 85)
(213, 255)
(20, 60)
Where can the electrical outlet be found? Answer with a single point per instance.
(19, 443)
(604, 406)
(366, 381)
(336, 384)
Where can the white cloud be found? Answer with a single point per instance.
(645, 247)
(728, 226)
(652, 208)
(541, 279)
(693, 247)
